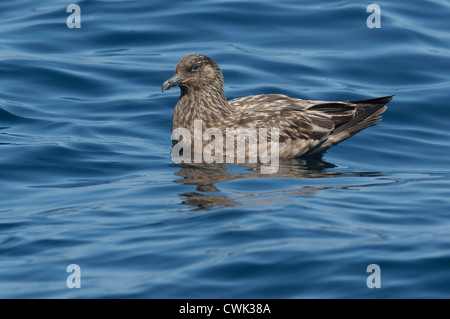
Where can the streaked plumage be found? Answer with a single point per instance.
(306, 127)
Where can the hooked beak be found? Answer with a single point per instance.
(173, 81)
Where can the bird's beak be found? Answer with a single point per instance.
(173, 81)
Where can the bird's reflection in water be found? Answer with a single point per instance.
(207, 179)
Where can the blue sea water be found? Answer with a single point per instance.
(86, 175)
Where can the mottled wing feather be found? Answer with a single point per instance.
(339, 112)
(300, 129)
(307, 126)
(264, 100)
(367, 113)
(289, 114)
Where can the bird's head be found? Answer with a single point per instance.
(194, 72)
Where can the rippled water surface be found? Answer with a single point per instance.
(86, 176)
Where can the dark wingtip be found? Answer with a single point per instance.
(377, 100)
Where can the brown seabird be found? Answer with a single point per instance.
(306, 127)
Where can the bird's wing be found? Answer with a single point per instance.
(321, 124)
(360, 115)
(291, 116)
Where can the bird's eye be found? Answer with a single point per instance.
(195, 67)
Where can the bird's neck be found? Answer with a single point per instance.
(208, 104)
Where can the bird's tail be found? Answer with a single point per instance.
(367, 113)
